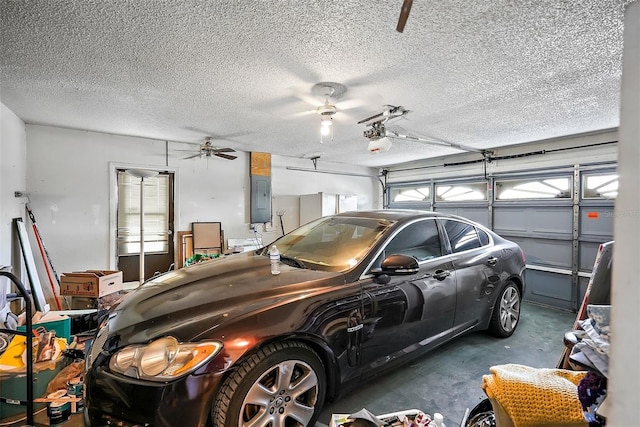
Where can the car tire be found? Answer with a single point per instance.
(506, 312)
(252, 395)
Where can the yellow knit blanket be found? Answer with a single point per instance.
(534, 397)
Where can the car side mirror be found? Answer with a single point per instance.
(396, 265)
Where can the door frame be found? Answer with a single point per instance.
(113, 204)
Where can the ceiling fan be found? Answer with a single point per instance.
(330, 92)
(327, 98)
(208, 150)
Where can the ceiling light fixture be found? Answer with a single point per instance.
(326, 127)
(326, 112)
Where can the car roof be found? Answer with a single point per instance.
(399, 214)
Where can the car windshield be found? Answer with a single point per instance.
(331, 243)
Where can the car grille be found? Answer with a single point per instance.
(98, 343)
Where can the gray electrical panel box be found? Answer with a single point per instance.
(260, 199)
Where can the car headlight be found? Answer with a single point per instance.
(163, 359)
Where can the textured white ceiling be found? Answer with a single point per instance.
(483, 73)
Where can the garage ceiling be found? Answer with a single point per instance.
(480, 73)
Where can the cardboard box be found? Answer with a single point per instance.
(91, 283)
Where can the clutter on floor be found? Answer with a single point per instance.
(591, 353)
(591, 350)
(406, 418)
(57, 363)
(524, 396)
(58, 346)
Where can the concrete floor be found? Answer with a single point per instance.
(447, 380)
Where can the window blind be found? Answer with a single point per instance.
(156, 214)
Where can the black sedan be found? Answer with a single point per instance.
(227, 343)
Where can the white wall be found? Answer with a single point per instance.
(70, 188)
(288, 183)
(12, 178)
(625, 291)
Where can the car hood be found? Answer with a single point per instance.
(191, 303)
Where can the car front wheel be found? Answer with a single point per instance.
(281, 385)
(506, 313)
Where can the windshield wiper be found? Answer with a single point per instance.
(293, 262)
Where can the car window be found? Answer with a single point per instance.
(462, 236)
(332, 243)
(484, 237)
(420, 240)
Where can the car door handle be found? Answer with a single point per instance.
(441, 274)
(492, 260)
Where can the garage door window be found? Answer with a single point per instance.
(600, 186)
(461, 192)
(411, 194)
(538, 188)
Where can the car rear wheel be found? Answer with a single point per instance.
(506, 313)
(281, 385)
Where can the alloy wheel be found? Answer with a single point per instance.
(509, 309)
(284, 396)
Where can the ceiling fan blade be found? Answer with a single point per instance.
(305, 97)
(404, 15)
(225, 156)
(344, 117)
(192, 157)
(224, 150)
(349, 104)
(302, 114)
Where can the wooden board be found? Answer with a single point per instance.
(261, 164)
(206, 235)
(33, 284)
(185, 248)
